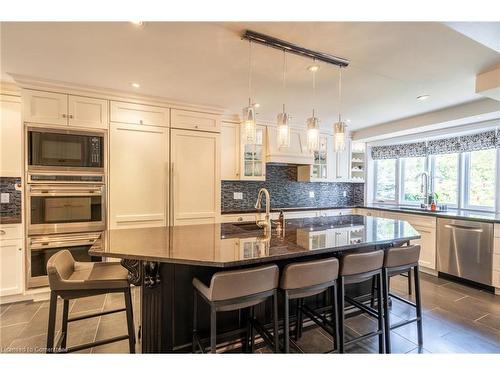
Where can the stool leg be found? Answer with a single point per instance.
(275, 322)
(286, 325)
(64, 330)
(298, 322)
(372, 299)
(195, 322)
(409, 283)
(301, 317)
(246, 346)
(130, 320)
(418, 303)
(380, 313)
(213, 330)
(340, 314)
(252, 333)
(335, 317)
(52, 322)
(387, 313)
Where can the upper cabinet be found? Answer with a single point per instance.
(253, 161)
(139, 114)
(358, 162)
(190, 120)
(11, 137)
(323, 167)
(230, 151)
(62, 109)
(342, 164)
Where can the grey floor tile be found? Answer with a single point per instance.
(9, 334)
(469, 342)
(88, 303)
(313, 341)
(33, 344)
(21, 312)
(490, 320)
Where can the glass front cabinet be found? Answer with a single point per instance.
(253, 156)
(321, 170)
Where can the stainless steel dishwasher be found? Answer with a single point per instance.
(465, 249)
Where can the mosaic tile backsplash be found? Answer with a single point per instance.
(11, 212)
(286, 191)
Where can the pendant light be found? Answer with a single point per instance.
(313, 122)
(340, 127)
(250, 126)
(283, 118)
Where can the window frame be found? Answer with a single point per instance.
(466, 193)
(396, 184)
(402, 163)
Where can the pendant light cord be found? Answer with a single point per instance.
(340, 93)
(249, 72)
(314, 88)
(284, 79)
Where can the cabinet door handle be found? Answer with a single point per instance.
(64, 115)
(20, 249)
(70, 116)
(2, 231)
(140, 122)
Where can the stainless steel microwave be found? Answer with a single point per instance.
(59, 149)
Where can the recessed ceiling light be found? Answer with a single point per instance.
(348, 120)
(137, 23)
(135, 85)
(256, 105)
(423, 97)
(313, 68)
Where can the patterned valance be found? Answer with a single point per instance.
(407, 150)
(473, 142)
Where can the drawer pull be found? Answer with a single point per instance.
(2, 231)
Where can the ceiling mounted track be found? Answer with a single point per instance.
(293, 48)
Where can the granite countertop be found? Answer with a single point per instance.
(489, 217)
(230, 245)
(285, 209)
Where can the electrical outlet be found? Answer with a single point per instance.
(5, 198)
(237, 195)
(344, 193)
(311, 194)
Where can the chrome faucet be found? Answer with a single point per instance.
(266, 222)
(424, 180)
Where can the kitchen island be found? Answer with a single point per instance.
(164, 260)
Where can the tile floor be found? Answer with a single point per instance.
(457, 319)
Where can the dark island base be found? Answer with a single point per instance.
(167, 306)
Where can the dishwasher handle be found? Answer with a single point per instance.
(463, 227)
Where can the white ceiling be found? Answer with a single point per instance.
(206, 63)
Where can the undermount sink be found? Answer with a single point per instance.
(420, 209)
(247, 226)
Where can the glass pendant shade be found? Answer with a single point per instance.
(249, 124)
(312, 134)
(283, 130)
(339, 136)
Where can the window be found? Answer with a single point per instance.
(411, 170)
(446, 178)
(385, 180)
(480, 171)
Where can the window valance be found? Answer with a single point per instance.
(473, 142)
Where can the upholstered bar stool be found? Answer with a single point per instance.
(356, 268)
(235, 290)
(306, 279)
(69, 279)
(396, 261)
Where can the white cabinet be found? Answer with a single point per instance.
(139, 114)
(195, 177)
(138, 176)
(11, 136)
(62, 109)
(182, 119)
(11, 259)
(45, 107)
(343, 163)
(358, 161)
(323, 167)
(230, 151)
(496, 259)
(88, 112)
(253, 161)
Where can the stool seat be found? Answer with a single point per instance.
(360, 263)
(66, 274)
(401, 256)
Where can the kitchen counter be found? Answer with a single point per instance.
(489, 217)
(214, 244)
(163, 262)
(286, 209)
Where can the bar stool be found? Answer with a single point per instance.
(235, 290)
(356, 268)
(306, 279)
(69, 279)
(396, 261)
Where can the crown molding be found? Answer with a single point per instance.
(36, 83)
(9, 88)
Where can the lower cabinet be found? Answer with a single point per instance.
(195, 177)
(138, 176)
(11, 260)
(496, 259)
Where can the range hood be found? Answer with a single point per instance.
(296, 153)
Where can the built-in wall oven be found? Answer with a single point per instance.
(41, 248)
(61, 149)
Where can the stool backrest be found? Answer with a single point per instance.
(400, 256)
(357, 263)
(233, 284)
(308, 274)
(59, 268)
